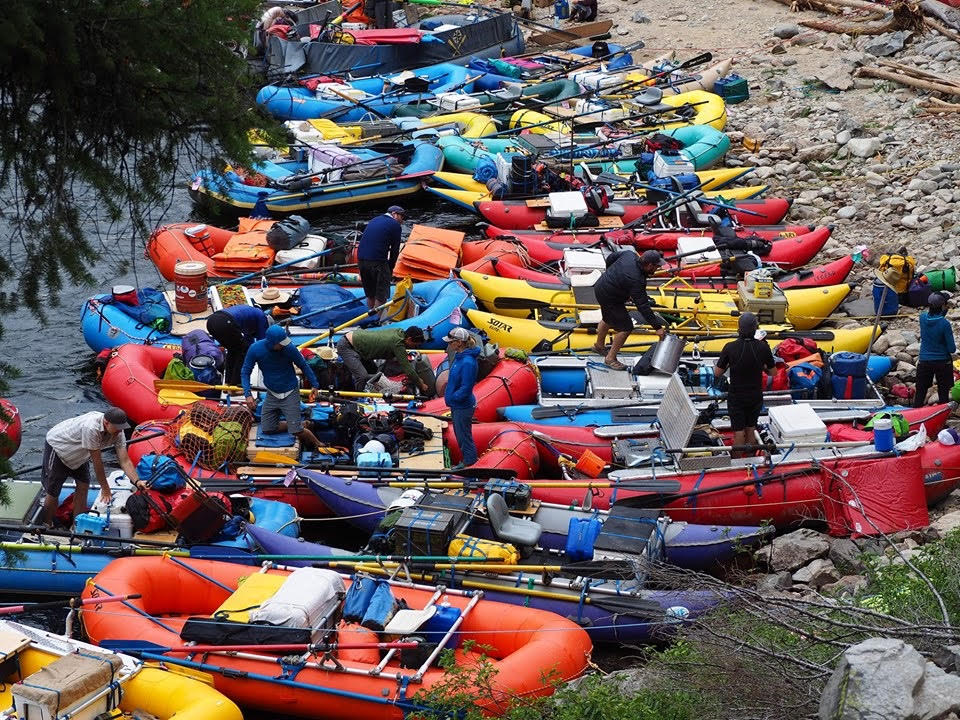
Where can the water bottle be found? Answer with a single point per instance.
(561, 10)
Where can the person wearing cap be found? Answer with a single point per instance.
(459, 391)
(235, 329)
(937, 347)
(278, 360)
(624, 279)
(747, 358)
(70, 447)
(377, 254)
(359, 348)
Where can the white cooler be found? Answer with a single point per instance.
(797, 423)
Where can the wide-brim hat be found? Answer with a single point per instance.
(327, 353)
(271, 296)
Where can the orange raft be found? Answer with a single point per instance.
(529, 650)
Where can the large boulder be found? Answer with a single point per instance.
(794, 550)
(887, 679)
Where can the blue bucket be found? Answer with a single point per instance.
(890, 305)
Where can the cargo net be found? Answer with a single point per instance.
(211, 436)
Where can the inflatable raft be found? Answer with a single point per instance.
(526, 647)
(11, 428)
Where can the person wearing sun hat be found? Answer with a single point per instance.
(377, 254)
(459, 391)
(69, 449)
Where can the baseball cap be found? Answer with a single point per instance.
(397, 209)
(457, 333)
(117, 417)
(651, 257)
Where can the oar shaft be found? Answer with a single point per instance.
(283, 647)
(73, 602)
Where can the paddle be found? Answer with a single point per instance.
(611, 569)
(353, 321)
(134, 647)
(70, 602)
(40, 530)
(186, 385)
(272, 268)
(358, 103)
(613, 179)
(480, 473)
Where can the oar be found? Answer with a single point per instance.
(612, 179)
(356, 102)
(41, 530)
(272, 268)
(480, 473)
(34, 468)
(184, 386)
(70, 602)
(353, 321)
(140, 646)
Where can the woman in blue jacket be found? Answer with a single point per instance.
(936, 351)
(459, 392)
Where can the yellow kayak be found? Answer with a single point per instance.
(709, 109)
(807, 308)
(53, 674)
(710, 178)
(540, 336)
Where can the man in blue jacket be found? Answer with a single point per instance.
(377, 254)
(936, 351)
(459, 392)
(236, 328)
(278, 359)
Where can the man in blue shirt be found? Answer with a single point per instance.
(936, 352)
(235, 329)
(377, 254)
(459, 392)
(278, 359)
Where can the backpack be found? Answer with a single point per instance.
(795, 348)
(286, 234)
(177, 370)
(897, 270)
(151, 310)
(161, 473)
(198, 343)
(901, 428)
(804, 380)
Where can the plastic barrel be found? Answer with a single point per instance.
(190, 281)
(890, 304)
(945, 279)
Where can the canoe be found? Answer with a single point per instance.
(807, 308)
(697, 547)
(430, 306)
(290, 188)
(40, 658)
(703, 146)
(518, 214)
(527, 647)
(356, 100)
(454, 39)
(540, 336)
(785, 253)
(11, 428)
(832, 273)
(606, 616)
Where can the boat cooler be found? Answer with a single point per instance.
(798, 423)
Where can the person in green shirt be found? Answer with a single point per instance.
(359, 348)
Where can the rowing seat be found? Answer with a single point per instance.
(523, 533)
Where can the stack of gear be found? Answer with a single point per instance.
(212, 436)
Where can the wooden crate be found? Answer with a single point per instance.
(432, 456)
(290, 451)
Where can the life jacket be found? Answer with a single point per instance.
(663, 143)
(897, 271)
(245, 252)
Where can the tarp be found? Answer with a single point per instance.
(865, 497)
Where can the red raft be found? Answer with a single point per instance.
(517, 214)
(11, 428)
(643, 239)
(788, 494)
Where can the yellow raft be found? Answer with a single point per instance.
(541, 336)
(54, 675)
(807, 308)
(468, 124)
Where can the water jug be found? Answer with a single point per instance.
(561, 9)
(883, 435)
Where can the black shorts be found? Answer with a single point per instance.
(54, 472)
(744, 411)
(375, 278)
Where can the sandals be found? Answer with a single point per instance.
(615, 365)
(599, 349)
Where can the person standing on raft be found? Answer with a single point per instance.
(747, 358)
(377, 254)
(625, 278)
(278, 359)
(937, 347)
(69, 448)
(459, 392)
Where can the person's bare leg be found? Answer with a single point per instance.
(49, 509)
(618, 341)
(371, 303)
(739, 437)
(750, 436)
(602, 330)
(308, 438)
(80, 500)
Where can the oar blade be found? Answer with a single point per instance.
(170, 396)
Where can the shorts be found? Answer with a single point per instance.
(614, 314)
(54, 472)
(375, 278)
(744, 411)
(289, 407)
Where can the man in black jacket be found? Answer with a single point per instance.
(624, 279)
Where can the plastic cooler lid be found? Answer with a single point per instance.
(798, 419)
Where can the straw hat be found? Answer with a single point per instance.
(271, 296)
(327, 353)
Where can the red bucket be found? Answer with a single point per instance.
(125, 294)
(190, 281)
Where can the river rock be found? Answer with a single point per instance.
(794, 550)
(847, 212)
(846, 554)
(888, 43)
(863, 147)
(786, 31)
(946, 523)
(775, 582)
(848, 584)
(910, 221)
(639, 17)
(817, 573)
(887, 679)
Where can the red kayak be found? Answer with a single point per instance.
(10, 428)
(831, 273)
(516, 214)
(787, 253)
(643, 239)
